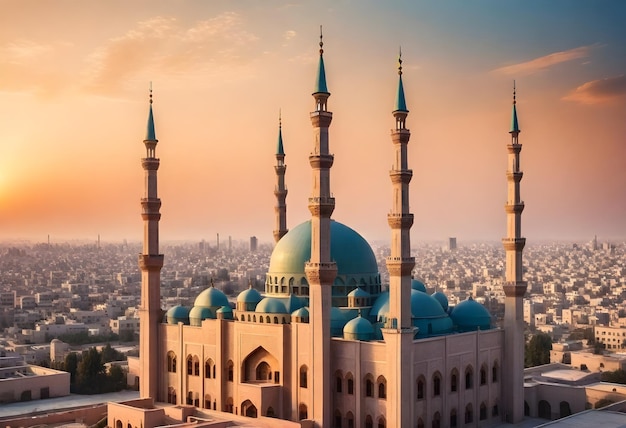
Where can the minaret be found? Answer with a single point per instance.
(150, 263)
(281, 191)
(514, 286)
(320, 269)
(399, 331)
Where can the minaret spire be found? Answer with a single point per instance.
(150, 263)
(399, 331)
(514, 286)
(280, 191)
(320, 269)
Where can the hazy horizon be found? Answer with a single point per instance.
(74, 104)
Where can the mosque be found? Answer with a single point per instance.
(327, 343)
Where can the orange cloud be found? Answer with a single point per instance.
(599, 91)
(161, 45)
(543, 62)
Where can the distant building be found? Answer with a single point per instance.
(253, 244)
(451, 244)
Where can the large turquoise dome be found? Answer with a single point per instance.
(470, 315)
(356, 263)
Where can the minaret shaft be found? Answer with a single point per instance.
(398, 331)
(514, 286)
(150, 263)
(320, 270)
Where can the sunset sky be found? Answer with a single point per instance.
(74, 78)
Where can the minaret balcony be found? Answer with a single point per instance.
(280, 169)
(514, 148)
(400, 220)
(150, 262)
(321, 206)
(515, 208)
(321, 118)
(400, 266)
(400, 136)
(402, 176)
(150, 205)
(515, 176)
(150, 164)
(513, 244)
(514, 288)
(319, 161)
(323, 273)
(280, 193)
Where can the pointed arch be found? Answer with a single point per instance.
(208, 368)
(436, 384)
(304, 376)
(230, 368)
(495, 371)
(248, 409)
(483, 411)
(303, 411)
(483, 374)
(469, 377)
(252, 367)
(382, 387)
(454, 380)
(338, 382)
(368, 385)
(453, 418)
(350, 383)
(436, 420)
(420, 393)
(368, 422)
(350, 419)
(171, 362)
(337, 419)
(382, 423)
(469, 414)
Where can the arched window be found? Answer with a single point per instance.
(213, 371)
(369, 386)
(189, 365)
(230, 368)
(421, 384)
(190, 398)
(382, 387)
(469, 414)
(483, 412)
(171, 362)
(267, 319)
(469, 378)
(350, 419)
(453, 419)
(564, 409)
(495, 411)
(275, 320)
(207, 369)
(303, 376)
(302, 411)
(483, 375)
(454, 381)
(171, 395)
(420, 423)
(207, 401)
(270, 412)
(436, 420)
(261, 319)
(368, 422)
(338, 382)
(494, 372)
(381, 422)
(337, 421)
(196, 366)
(263, 371)
(436, 384)
(350, 383)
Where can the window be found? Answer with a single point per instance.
(208, 368)
(339, 383)
(420, 423)
(302, 411)
(350, 386)
(189, 366)
(420, 388)
(196, 366)
(303, 377)
(483, 375)
(453, 421)
(337, 419)
(171, 362)
(483, 411)
(381, 422)
(369, 388)
(494, 372)
(382, 387)
(230, 371)
(436, 420)
(350, 420)
(368, 422)
(436, 384)
(454, 380)
(495, 411)
(469, 378)
(469, 414)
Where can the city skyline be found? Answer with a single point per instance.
(73, 96)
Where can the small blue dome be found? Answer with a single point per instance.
(198, 313)
(418, 285)
(300, 313)
(177, 314)
(270, 305)
(225, 312)
(442, 299)
(470, 315)
(249, 296)
(358, 329)
(211, 298)
(359, 293)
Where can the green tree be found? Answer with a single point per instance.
(109, 354)
(70, 365)
(117, 378)
(90, 371)
(617, 376)
(537, 350)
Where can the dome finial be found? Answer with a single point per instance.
(514, 102)
(280, 118)
(151, 92)
(514, 121)
(400, 61)
(321, 42)
(212, 285)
